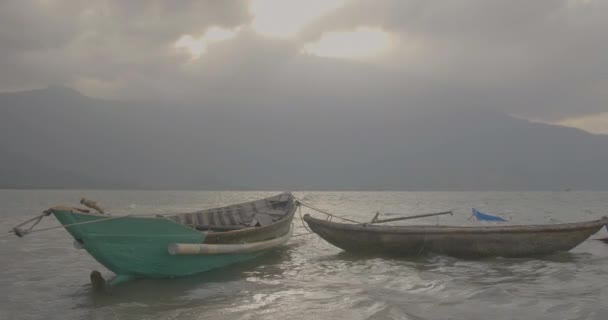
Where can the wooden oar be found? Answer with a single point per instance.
(376, 220)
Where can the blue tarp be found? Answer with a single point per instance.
(486, 217)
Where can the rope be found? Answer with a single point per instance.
(329, 215)
(78, 224)
(21, 233)
(10, 233)
(307, 234)
(30, 220)
(37, 220)
(302, 220)
(303, 224)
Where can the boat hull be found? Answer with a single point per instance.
(505, 241)
(138, 246)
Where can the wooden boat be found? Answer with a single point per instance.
(485, 241)
(181, 244)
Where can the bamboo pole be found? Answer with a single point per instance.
(376, 220)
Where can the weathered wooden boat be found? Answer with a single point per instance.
(478, 241)
(171, 245)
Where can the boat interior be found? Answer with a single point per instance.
(253, 214)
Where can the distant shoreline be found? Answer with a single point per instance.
(292, 190)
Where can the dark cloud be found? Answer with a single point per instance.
(542, 59)
(63, 41)
(538, 59)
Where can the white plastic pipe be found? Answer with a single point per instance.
(217, 249)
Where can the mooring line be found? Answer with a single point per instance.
(8, 234)
(37, 219)
(22, 233)
(301, 234)
(299, 202)
(302, 220)
(79, 223)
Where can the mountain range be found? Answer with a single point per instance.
(59, 138)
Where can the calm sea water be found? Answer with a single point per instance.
(43, 277)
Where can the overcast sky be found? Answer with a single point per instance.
(545, 60)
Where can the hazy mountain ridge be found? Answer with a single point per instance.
(59, 138)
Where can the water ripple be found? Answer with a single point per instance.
(309, 278)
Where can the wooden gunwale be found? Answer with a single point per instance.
(428, 229)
